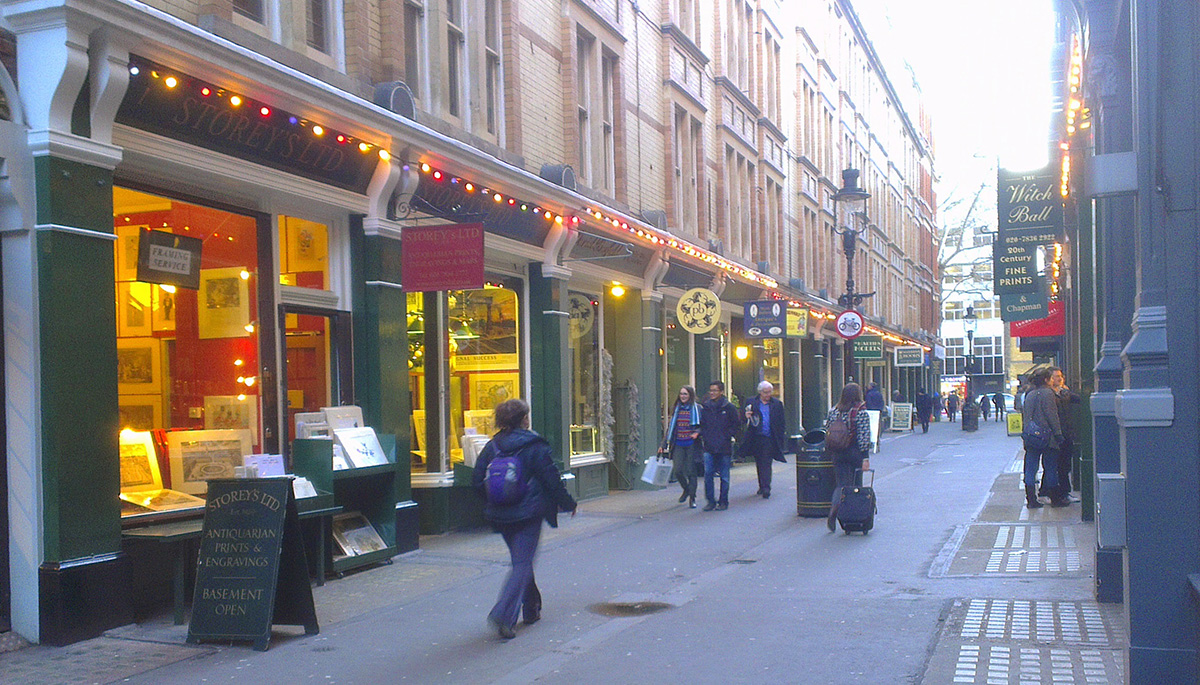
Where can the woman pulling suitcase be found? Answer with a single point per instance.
(848, 439)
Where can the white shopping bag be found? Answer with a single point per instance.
(658, 471)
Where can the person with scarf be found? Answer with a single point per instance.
(682, 442)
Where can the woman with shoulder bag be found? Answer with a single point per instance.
(1043, 436)
(848, 440)
(682, 442)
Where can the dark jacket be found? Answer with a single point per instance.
(546, 496)
(874, 399)
(778, 425)
(924, 406)
(719, 422)
(952, 403)
(1064, 398)
(1041, 407)
(998, 402)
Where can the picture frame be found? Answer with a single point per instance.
(133, 309)
(223, 304)
(227, 412)
(198, 455)
(140, 412)
(307, 245)
(126, 248)
(355, 535)
(139, 462)
(361, 446)
(490, 389)
(482, 420)
(139, 366)
(162, 309)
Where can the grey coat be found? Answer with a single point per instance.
(1041, 407)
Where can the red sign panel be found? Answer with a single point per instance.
(1053, 324)
(448, 257)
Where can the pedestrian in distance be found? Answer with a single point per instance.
(985, 405)
(924, 409)
(847, 415)
(939, 406)
(873, 399)
(1065, 398)
(765, 430)
(998, 403)
(682, 442)
(1040, 409)
(952, 406)
(719, 422)
(517, 477)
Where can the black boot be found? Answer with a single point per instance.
(1031, 500)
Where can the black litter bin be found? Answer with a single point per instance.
(814, 477)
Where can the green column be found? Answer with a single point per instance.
(791, 381)
(813, 414)
(633, 336)
(1085, 289)
(549, 323)
(708, 359)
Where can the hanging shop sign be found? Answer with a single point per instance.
(448, 257)
(765, 318)
(849, 324)
(1023, 306)
(250, 569)
(169, 259)
(797, 322)
(868, 347)
(698, 311)
(909, 355)
(1030, 217)
(212, 117)
(1052, 325)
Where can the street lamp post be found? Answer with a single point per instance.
(854, 200)
(970, 412)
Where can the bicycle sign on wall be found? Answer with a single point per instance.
(850, 324)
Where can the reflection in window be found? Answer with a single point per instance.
(187, 359)
(485, 366)
(584, 333)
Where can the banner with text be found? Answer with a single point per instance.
(446, 257)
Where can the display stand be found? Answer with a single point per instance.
(371, 490)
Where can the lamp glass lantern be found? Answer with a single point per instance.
(852, 201)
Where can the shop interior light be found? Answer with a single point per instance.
(741, 352)
(245, 275)
(238, 362)
(167, 288)
(249, 327)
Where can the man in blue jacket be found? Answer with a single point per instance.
(719, 422)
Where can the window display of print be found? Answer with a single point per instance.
(585, 372)
(138, 366)
(224, 303)
(355, 535)
(162, 308)
(228, 412)
(197, 456)
(490, 389)
(483, 329)
(133, 309)
(304, 247)
(139, 412)
(139, 463)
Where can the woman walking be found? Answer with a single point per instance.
(1040, 409)
(682, 442)
(522, 489)
(850, 412)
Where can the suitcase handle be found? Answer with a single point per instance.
(863, 478)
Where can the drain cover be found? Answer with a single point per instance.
(626, 609)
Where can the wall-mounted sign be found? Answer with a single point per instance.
(849, 324)
(765, 318)
(909, 355)
(164, 257)
(1030, 217)
(699, 310)
(212, 122)
(868, 347)
(797, 322)
(446, 257)
(1023, 306)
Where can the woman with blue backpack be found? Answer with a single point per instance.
(515, 473)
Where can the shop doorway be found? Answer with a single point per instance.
(316, 362)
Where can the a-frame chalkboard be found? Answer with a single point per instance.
(251, 572)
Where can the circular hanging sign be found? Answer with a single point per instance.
(698, 310)
(583, 314)
(850, 324)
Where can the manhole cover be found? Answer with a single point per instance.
(625, 609)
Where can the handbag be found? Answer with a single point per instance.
(657, 471)
(1035, 436)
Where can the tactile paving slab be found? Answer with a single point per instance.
(1015, 549)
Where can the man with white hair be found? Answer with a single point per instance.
(765, 431)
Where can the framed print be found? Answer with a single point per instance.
(223, 307)
(139, 412)
(361, 446)
(307, 245)
(482, 420)
(133, 309)
(139, 463)
(139, 366)
(490, 389)
(355, 534)
(225, 412)
(162, 309)
(127, 251)
(197, 456)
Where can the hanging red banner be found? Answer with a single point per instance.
(448, 257)
(1054, 324)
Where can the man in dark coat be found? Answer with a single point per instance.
(520, 523)
(998, 403)
(765, 431)
(719, 422)
(1065, 398)
(952, 406)
(924, 409)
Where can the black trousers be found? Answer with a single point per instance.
(765, 452)
(1064, 467)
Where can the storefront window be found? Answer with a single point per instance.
(772, 364)
(416, 375)
(585, 373)
(188, 360)
(303, 253)
(307, 360)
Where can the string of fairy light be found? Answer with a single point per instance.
(650, 238)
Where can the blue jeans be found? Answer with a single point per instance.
(519, 590)
(715, 464)
(1049, 460)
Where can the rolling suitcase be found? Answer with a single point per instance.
(856, 510)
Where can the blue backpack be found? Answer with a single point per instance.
(505, 482)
